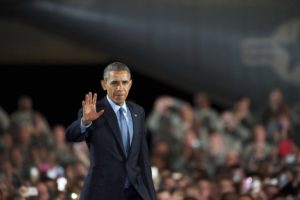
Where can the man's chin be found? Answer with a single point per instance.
(119, 101)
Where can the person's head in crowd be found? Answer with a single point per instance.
(232, 158)
(182, 181)
(70, 172)
(191, 191)
(216, 143)
(16, 158)
(8, 141)
(59, 134)
(34, 152)
(242, 105)
(161, 148)
(80, 169)
(283, 126)
(169, 183)
(160, 154)
(25, 103)
(227, 120)
(186, 113)
(163, 195)
(39, 124)
(271, 187)
(201, 100)
(259, 134)
(204, 187)
(46, 156)
(5, 121)
(74, 170)
(43, 191)
(226, 185)
(276, 99)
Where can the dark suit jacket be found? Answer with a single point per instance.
(108, 163)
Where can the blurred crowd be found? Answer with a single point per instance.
(35, 160)
(200, 153)
(196, 151)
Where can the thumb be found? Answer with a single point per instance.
(100, 113)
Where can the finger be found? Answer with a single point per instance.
(83, 105)
(87, 99)
(90, 98)
(95, 99)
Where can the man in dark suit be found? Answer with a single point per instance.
(113, 129)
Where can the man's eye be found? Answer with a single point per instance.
(114, 83)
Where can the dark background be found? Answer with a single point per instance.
(57, 50)
(57, 90)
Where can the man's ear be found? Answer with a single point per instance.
(103, 84)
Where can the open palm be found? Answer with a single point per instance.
(89, 109)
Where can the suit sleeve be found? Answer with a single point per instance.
(145, 165)
(73, 132)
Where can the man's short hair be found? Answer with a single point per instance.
(115, 66)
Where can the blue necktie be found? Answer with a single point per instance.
(125, 137)
(124, 131)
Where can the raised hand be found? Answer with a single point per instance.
(163, 103)
(89, 109)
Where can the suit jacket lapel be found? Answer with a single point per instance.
(134, 116)
(113, 123)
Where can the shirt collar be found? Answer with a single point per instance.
(115, 106)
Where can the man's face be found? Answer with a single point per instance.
(117, 86)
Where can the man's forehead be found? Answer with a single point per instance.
(119, 76)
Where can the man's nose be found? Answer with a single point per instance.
(119, 87)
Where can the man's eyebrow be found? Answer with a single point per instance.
(115, 81)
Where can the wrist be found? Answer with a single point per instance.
(85, 122)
